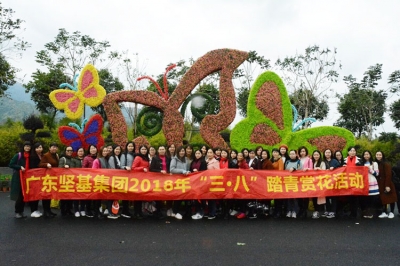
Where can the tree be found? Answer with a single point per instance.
(312, 73)
(7, 75)
(71, 52)
(395, 113)
(245, 75)
(10, 41)
(41, 85)
(362, 108)
(110, 84)
(10, 44)
(318, 109)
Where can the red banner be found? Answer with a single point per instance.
(83, 183)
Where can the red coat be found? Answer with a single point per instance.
(139, 164)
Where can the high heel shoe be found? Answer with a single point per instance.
(47, 214)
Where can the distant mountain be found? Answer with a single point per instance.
(17, 92)
(17, 104)
(15, 110)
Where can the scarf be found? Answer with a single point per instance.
(26, 156)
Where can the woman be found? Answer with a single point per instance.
(353, 160)
(293, 164)
(78, 205)
(265, 163)
(66, 162)
(189, 154)
(49, 160)
(198, 164)
(178, 166)
(171, 152)
(283, 151)
(233, 163)
(253, 160)
(217, 153)
(259, 150)
(203, 150)
(319, 203)
(101, 162)
(387, 190)
(88, 163)
(331, 164)
(141, 164)
(126, 162)
(242, 164)
(152, 153)
(366, 202)
(245, 153)
(19, 163)
(34, 160)
(307, 164)
(114, 162)
(160, 164)
(212, 164)
(224, 160)
(128, 156)
(339, 157)
(277, 164)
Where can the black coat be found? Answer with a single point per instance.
(156, 164)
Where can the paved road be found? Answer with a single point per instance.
(84, 241)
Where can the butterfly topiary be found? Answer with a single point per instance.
(87, 91)
(270, 122)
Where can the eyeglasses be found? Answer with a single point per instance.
(69, 150)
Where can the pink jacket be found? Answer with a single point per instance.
(307, 163)
(212, 164)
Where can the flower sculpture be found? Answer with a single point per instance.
(270, 122)
(88, 91)
(223, 60)
(89, 133)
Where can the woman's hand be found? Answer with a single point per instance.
(387, 189)
(163, 172)
(66, 166)
(127, 168)
(22, 169)
(48, 165)
(145, 170)
(194, 170)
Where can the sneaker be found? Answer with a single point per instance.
(368, 216)
(289, 214)
(210, 217)
(294, 215)
(83, 213)
(112, 216)
(106, 212)
(77, 214)
(324, 214)
(126, 215)
(197, 216)
(20, 215)
(251, 204)
(169, 212)
(253, 216)
(89, 214)
(36, 214)
(330, 215)
(315, 215)
(391, 215)
(241, 215)
(178, 216)
(383, 215)
(233, 213)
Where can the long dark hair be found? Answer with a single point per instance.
(126, 148)
(363, 161)
(144, 156)
(316, 163)
(183, 159)
(88, 151)
(272, 157)
(341, 160)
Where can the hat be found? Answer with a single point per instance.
(284, 146)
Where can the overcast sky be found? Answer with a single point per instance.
(161, 32)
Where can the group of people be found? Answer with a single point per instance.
(185, 160)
